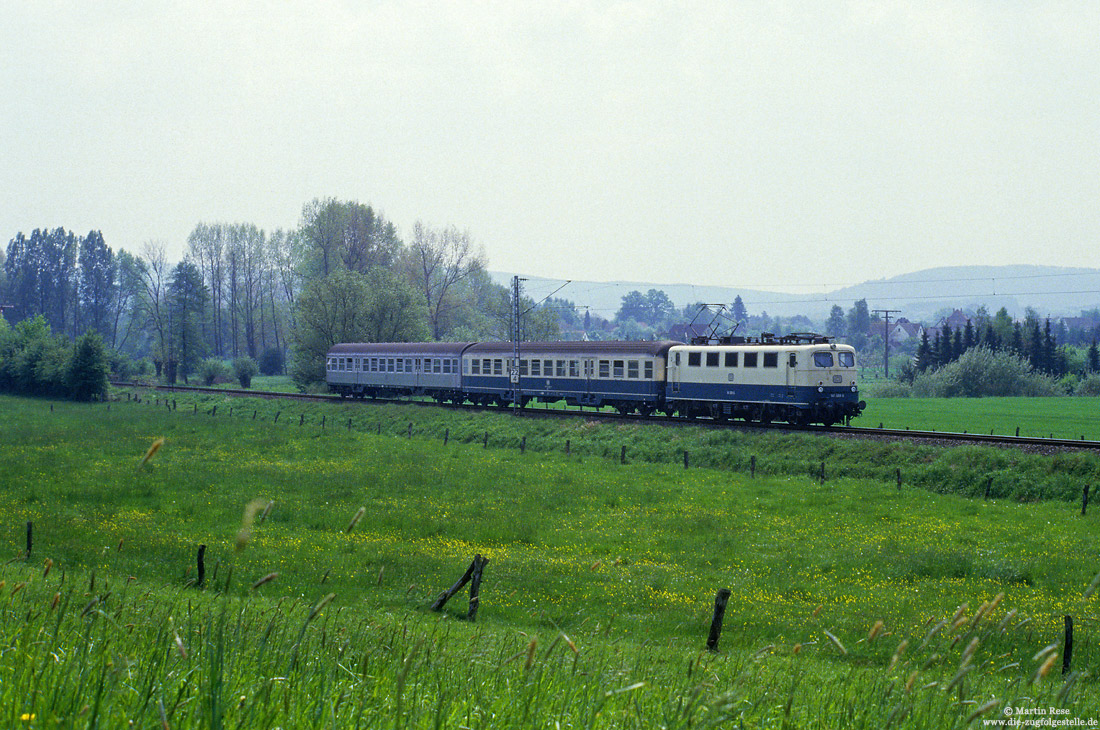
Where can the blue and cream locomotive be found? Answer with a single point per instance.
(800, 379)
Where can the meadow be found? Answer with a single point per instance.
(853, 603)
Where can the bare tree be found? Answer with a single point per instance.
(153, 272)
(441, 259)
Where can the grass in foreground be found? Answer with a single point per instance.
(624, 561)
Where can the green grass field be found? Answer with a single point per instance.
(596, 600)
(1066, 418)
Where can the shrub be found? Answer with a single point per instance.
(272, 361)
(86, 375)
(213, 369)
(984, 372)
(245, 368)
(1089, 386)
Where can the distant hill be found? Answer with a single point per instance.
(1052, 290)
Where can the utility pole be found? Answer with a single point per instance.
(517, 335)
(886, 337)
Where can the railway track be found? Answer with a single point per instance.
(946, 437)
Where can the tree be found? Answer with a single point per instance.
(836, 325)
(96, 286)
(87, 368)
(859, 323)
(738, 310)
(1094, 358)
(925, 358)
(152, 270)
(348, 235)
(347, 306)
(187, 298)
(440, 260)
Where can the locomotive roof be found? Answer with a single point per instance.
(659, 347)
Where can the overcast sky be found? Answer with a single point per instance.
(759, 144)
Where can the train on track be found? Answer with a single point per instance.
(800, 378)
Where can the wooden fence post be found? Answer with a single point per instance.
(685, 459)
(446, 436)
(301, 419)
(523, 445)
(445, 596)
(410, 432)
(988, 486)
(720, 601)
(485, 444)
(622, 456)
(752, 467)
(349, 424)
(201, 560)
(324, 419)
(30, 538)
(822, 475)
(475, 587)
(1067, 649)
(1084, 500)
(279, 413)
(214, 411)
(567, 447)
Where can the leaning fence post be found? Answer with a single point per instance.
(445, 596)
(277, 416)
(720, 601)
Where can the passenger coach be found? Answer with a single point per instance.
(628, 376)
(389, 369)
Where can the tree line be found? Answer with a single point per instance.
(281, 298)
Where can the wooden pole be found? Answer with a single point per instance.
(752, 467)
(822, 475)
(445, 596)
(720, 602)
(1084, 500)
(485, 445)
(523, 445)
(899, 478)
(30, 538)
(201, 565)
(410, 431)
(567, 445)
(1067, 651)
(988, 486)
(475, 587)
(446, 436)
(685, 459)
(622, 456)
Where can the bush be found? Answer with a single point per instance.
(272, 361)
(984, 372)
(86, 376)
(1089, 386)
(888, 389)
(212, 369)
(245, 368)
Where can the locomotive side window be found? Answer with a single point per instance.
(750, 359)
(649, 370)
(677, 358)
(618, 369)
(771, 359)
(823, 359)
(632, 369)
(712, 359)
(605, 368)
(731, 359)
(693, 359)
(846, 359)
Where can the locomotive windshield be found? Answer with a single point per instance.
(846, 359)
(823, 359)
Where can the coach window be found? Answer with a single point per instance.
(438, 366)
(574, 369)
(498, 367)
(712, 359)
(750, 359)
(823, 359)
(475, 367)
(559, 371)
(731, 359)
(694, 358)
(522, 367)
(632, 369)
(846, 359)
(649, 370)
(536, 368)
(605, 368)
(618, 370)
(771, 359)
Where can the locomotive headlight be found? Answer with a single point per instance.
(853, 388)
(820, 389)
